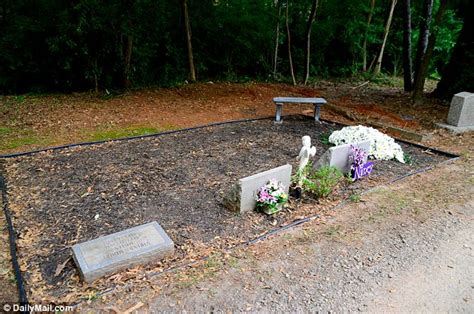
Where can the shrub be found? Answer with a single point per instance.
(322, 182)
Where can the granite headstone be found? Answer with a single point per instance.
(338, 156)
(461, 111)
(111, 253)
(241, 198)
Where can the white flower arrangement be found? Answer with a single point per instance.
(382, 146)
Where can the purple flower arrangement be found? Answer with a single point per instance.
(271, 197)
(359, 167)
(357, 157)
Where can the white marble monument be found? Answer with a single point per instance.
(306, 152)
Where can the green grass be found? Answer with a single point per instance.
(233, 262)
(213, 262)
(5, 131)
(333, 231)
(307, 236)
(13, 139)
(355, 198)
(20, 141)
(211, 266)
(10, 140)
(189, 280)
(102, 135)
(91, 296)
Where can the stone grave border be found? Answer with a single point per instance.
(23, 299)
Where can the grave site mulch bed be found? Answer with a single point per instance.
(63, 197)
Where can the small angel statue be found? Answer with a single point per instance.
(306, 152)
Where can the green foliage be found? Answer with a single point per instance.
(324, 137)
(407, 158)
(300, 174)
(355, 198)
(322, 182)
(91, 296)
(80, 45)
(446, 39)
(348, 178)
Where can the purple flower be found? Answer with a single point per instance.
(357, 156)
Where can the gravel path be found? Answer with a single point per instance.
(444, 283)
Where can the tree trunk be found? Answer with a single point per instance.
(458, 75)
(424, 33)
(364, 44)
(187, 25)
(94, 70)
(372, 64)
(290, 58)
(277, 39)
(378, 65)
(127, 61)
(309, 25)
(422, 70)
(407, 61)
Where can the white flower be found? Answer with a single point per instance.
(382, 146)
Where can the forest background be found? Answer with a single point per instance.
(54, 45)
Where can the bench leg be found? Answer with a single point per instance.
(317, 112)
(278, 113)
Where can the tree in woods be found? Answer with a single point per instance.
(277, 37)
(127, 58)
(127, 43)
(90, 44)
(366, 35)
(424, 32)
(458, 76)
(288, 35)
(378, 64)
(422, 69)
(309, 26)
(187, 27)
(407, 51)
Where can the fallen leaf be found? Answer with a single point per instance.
(60, 267)
(115, 309)
(134, 308)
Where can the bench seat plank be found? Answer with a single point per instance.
(317, 102)
(299, 100)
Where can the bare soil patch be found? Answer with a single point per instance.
(59, 198)
(28, 122)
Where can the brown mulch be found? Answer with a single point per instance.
(69, 196)
(69, 118)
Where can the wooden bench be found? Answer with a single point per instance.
(317, 102)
